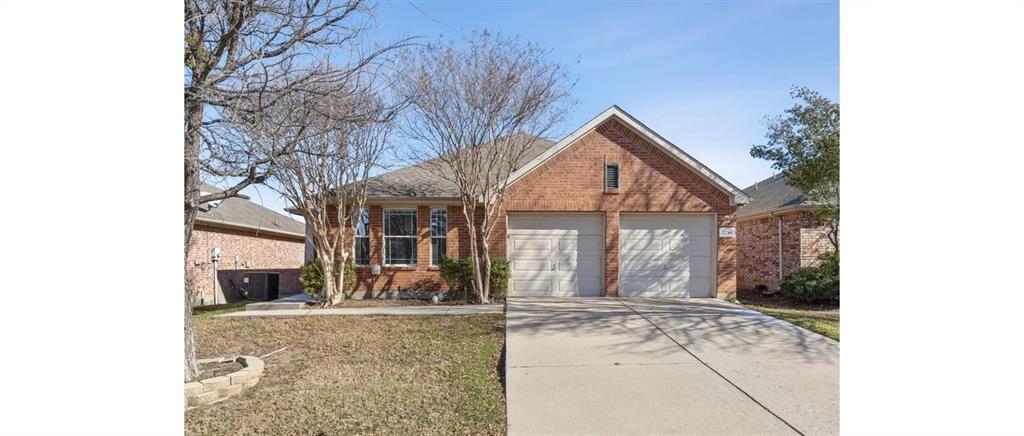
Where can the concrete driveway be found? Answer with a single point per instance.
(665, 366)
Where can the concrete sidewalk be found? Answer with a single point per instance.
(439, 310)
(666, 366)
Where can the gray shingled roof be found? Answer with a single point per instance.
(421, 180)
(242, 212)
(771, 194)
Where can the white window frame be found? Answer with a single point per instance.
(355, 237)
(432, 237)
(384, 233)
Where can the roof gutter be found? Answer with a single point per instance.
(230, 225)
(779, 211)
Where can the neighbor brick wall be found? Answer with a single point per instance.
(803, 239)
(573, 181)
(256, 253)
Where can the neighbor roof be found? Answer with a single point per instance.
(774, 194)
(242, 213)
(422, 180)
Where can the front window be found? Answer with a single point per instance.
(361, 237)
(438, 235)
(399, 236)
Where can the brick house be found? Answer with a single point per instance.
(777, 232)
(613, 209)
(251, 238)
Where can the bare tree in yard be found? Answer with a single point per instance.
(325, 177)
(478, 108)
(242, 57)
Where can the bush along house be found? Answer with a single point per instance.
(613, 209)
(777, 232)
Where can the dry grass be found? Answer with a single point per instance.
(821, 319)
(823, 322)
(360, 375)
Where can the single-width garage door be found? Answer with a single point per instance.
(555, 254)
(666, 255)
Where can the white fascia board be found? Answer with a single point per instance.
(231, 225)
(737, 194)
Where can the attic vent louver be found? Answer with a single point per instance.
(611, 176)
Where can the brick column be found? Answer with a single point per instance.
(376, 234)
(611, 253)
(423, 241)
(726, 288)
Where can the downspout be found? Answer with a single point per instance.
(780, 248)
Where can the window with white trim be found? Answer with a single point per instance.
(399, 236)
(361, 237)
(438, 235)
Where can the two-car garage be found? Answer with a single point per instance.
(660, 254)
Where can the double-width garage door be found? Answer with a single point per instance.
(666, 255)
(556, 255)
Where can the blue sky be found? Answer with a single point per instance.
(702, 74)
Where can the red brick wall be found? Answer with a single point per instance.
(266, 252)
(803, 239)
(651, 181)
(573, 181)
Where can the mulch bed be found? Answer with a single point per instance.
(778, 301)
(209, 370)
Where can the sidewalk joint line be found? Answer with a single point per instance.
(711, 368)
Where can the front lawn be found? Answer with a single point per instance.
(818, 318)
(356, 374)
(823, 322)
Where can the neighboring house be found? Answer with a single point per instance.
(613, 209)
(251, 238)
(777, 232)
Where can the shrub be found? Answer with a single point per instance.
(312, 277)
(499, 277)
(458, 274)
(816, 284)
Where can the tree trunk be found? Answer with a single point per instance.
(327, 296)
(474, 250)
(485, 294)
(194, 116)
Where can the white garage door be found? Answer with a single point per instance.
(555, 255)
(666, 255)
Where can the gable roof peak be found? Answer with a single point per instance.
(737, 196)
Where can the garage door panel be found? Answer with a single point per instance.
(527, 265)
(521, 243)
(693, 287)
(645, 244)
(691, 245)
(553, 224)
(556, 254)
(582, 244)
(666, 255)
(532, 287)
(695, 266)
(582, 286)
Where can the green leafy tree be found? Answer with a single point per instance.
(803, 143)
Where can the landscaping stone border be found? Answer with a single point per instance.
(214, 389)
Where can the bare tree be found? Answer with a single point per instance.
(478, 109)
(325, 177)
(241, 58)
